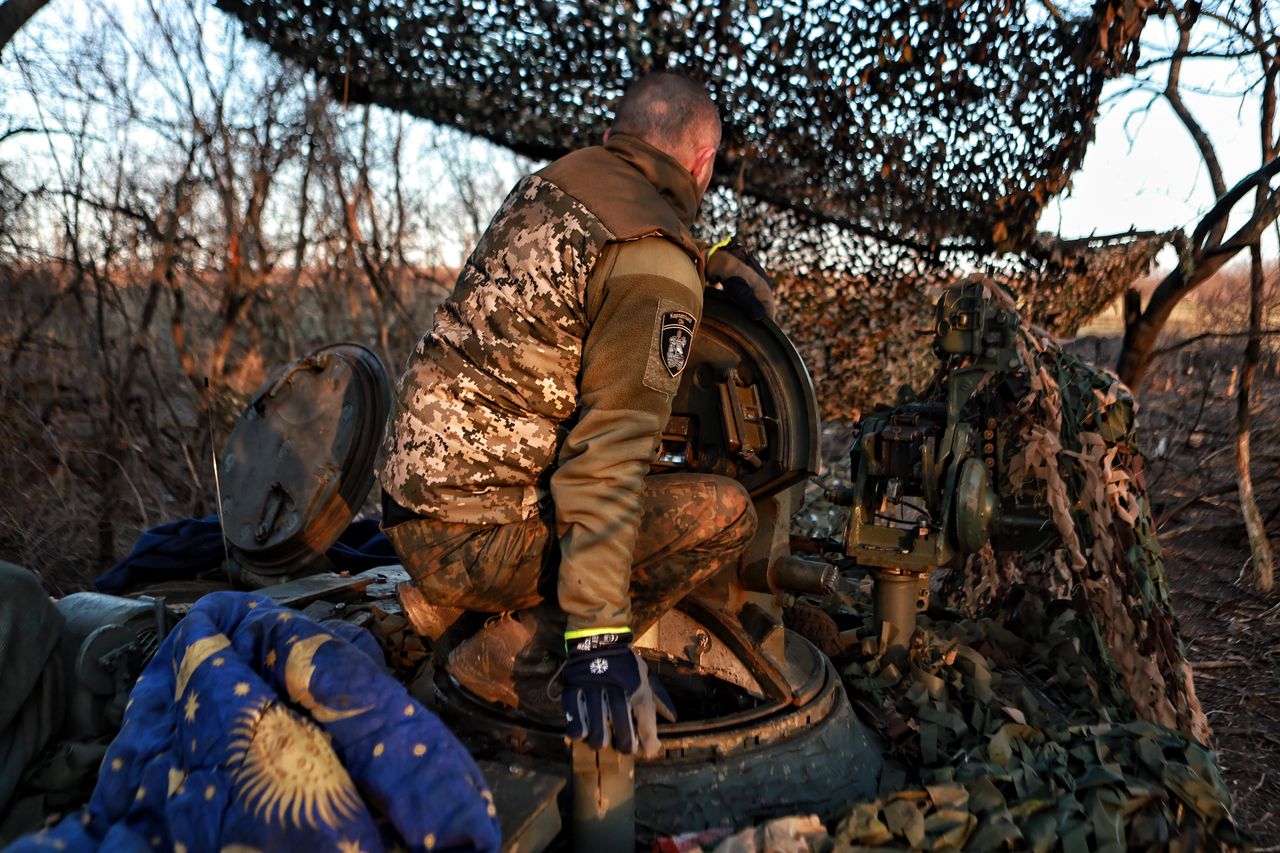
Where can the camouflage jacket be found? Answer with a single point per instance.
(552, 366)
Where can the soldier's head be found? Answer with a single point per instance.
(675, 115)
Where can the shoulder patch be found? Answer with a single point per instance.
(670, 346)
(676, 340)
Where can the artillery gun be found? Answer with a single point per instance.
(931, 482)
(766, 728)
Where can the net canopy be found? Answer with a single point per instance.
(872, 149)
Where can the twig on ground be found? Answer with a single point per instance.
(1173, 513)
(1217, 664)
(1206, 335)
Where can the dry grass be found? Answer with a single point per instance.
(90, 461)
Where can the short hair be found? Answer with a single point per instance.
(670, 112)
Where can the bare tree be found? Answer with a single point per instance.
(180, 206)
(1208, 248)
(15, 13)
(1248, 32)
(1259, 34)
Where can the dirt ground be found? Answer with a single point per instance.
(1232, 632)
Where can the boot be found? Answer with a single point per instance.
(512, 662)
(429, 620)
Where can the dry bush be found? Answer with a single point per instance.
(190, 211)
(1222, 303)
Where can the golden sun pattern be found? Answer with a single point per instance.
(286, 768)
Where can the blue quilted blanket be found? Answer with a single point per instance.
(256, 729)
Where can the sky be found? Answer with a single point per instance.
(1142, 170)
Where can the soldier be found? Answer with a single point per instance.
(515, 464)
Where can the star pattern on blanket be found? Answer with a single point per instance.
(254, 733)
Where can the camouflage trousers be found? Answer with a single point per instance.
(692, 526)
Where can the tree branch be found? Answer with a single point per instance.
(1186, 342)
(1174, 96)
(1226, 201)
(15, 13)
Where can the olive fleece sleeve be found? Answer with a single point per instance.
(643, 306)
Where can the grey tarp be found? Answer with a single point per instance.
(31, 699)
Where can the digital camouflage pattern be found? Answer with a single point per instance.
(480, 407)
(692, 526)
(550, 371)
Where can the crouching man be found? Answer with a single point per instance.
(516, 465)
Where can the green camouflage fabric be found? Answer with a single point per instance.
(692, 526)
(480, 408)
(1046, 703)
(1071, 448)
(1074, 450)
(994, 741)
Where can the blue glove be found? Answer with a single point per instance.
(743, 278)
(608, 696)
(744, 297)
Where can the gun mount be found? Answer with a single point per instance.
(930, 472)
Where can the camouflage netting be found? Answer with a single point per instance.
(875, 152)
(863, 328)
(1073, 444)
(873, 149)
(1047, 701)
(990, 749)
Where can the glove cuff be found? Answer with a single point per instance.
(586, 640)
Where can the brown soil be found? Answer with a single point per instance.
(1232, 632)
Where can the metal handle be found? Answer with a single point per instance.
(270, 512)
(316, 364)
(604, 800)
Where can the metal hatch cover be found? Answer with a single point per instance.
(745, 408)
(299, 462)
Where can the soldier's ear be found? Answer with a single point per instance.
(704, 163)
(607, 134)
